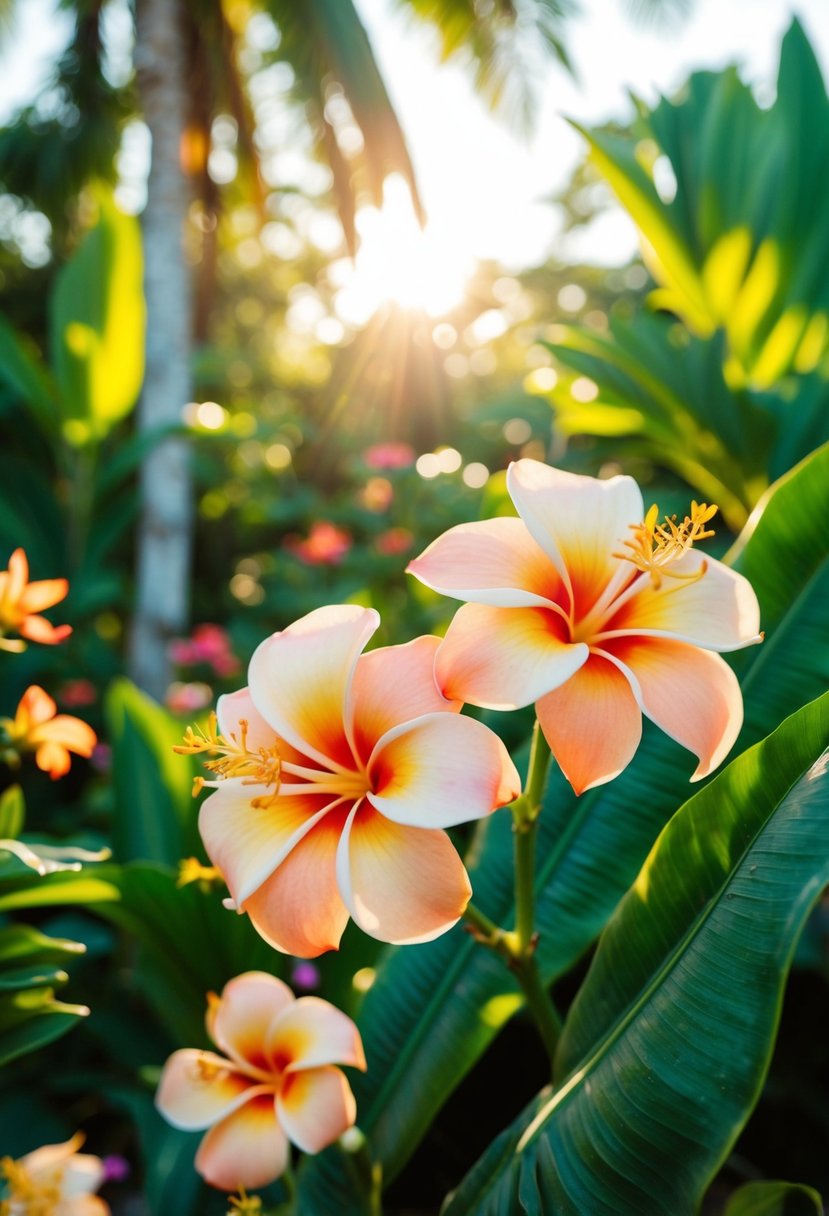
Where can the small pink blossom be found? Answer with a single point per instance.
(76, 693)
(209, 645)
(377, 494)
(186, 699)
(391, 455)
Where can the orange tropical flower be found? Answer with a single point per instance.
(274, 1082)
(55, 1180)
(38, 727)
(597, 613)
(337, 773)
(21, 603)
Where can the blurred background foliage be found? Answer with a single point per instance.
(333, 435)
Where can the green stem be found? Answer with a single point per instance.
(518, 948)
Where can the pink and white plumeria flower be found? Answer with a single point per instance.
(338, 773)
(55, 1179)
(275, 1081)
(597, 614)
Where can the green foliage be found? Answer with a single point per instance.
(774, 1199)
(666, 1046)
(12, 813)
(98, 326)
(30, 970)
(740, 245)
(155, 816)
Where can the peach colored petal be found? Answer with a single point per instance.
(43, 594)
(53, 759)
(316, 1107)
(394, 684)
(578, 521)
(401, 884)
(691, 694)
(493, 562)
(66, 731)
(299, 679)
(248, 842)
(83, 1173)
(299, 909)
(38, 629)
(43, 1161)
(438, 771)
(718, 611)
(240, 1021)
(503, 658)
(83, 1205)
(592, 724)
(18, 575)
(36, 705)
(199, 1087)
(313, 1032)
(235, 706)
(247, 1149)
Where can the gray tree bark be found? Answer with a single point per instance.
(165, 527)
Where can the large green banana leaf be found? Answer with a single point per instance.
(738, 238)
(666, 1046)
(665, 391)
(434, 1008)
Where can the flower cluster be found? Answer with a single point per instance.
(335, 773)
(55, 1180)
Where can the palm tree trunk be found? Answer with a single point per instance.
(165, 528)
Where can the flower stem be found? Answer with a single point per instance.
(517, 948)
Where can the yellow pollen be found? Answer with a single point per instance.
(655, 547)
(233, 758)
(190, 869)
(24, 1194)
(205, 1070)
(244, 1204)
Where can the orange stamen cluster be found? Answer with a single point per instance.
(24, 1194)
(190, 869)
(233, 758)
(244, 1204)
(656, 546)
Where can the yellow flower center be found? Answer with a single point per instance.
(655, 547)
(25, 1197)
(233, 758)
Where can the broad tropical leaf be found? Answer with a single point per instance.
(30, 970)
(667, 1043)
(97, 319)
(774, 1199)
(739, 241)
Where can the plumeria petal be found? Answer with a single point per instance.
(394, 684)
(495, 561)
(38, 629)
(440, 770)
(199, 1087)
(36, 706)
(234, 708)
(316, 1107)
(299, 909)
(240, 1020)
(592, 724)
(69, 732)
(53, 759)
(503, 658)
(85, 1205)
(718, 610)
(579, 522)
(299, 679)
(42, 1162)
(43, 594)
(18, 575)
(401, 884)
(248, 842)
(312, 1032)
(83, 1173)
(689, 693)
(247, 1149)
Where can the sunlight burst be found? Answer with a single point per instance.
(401, 263)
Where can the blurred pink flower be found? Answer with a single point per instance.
(325, 545)
(394, 541)
(274, 1082)
(390, 455)
(116, 1168)
(101, 758)
(306, 976)
(186, 699)
(210, 645)
(75, 693)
